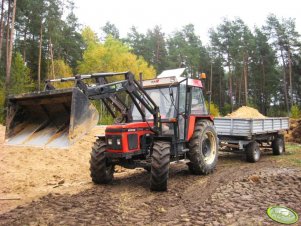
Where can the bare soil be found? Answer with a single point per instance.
(54, 188)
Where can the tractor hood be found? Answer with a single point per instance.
(129, 127)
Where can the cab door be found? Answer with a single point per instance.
(183, 98)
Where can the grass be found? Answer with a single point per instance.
(292, 155)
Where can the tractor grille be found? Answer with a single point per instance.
(132, 141)
(114, 142)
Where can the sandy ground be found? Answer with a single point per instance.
(53, 187)
(28, 173)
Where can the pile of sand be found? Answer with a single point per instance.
(245, 112)
(294, 133)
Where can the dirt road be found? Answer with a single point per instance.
(238, 193)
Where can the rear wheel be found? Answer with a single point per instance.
(253, 152)
(101, 169)
(203, 151)
(278, 145)
(160, 166)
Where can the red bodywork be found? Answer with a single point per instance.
(142, 128)
(123, 130)
(191, 123)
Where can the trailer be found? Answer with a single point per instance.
(249, 135)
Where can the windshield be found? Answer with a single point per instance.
(161, 97)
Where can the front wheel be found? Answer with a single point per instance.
(100, 168)
(160, 166)
(203, 151)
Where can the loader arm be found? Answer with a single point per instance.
(114, 101)
(107, 93)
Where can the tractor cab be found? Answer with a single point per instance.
(178, 98)
(180, 102)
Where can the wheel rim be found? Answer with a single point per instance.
(209, 147)
(256, 153)
(109, 168)
(281, 146)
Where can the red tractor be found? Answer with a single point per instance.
(168, 121)
(157, 121)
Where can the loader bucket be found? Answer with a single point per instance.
(55, 118)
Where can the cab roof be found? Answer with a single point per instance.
(171, 77)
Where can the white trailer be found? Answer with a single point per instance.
(248, 135)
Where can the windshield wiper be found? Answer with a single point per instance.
(169, 101)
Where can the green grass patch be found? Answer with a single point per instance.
(292, 155)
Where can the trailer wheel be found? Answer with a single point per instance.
(160, 166)
(278, 145)
(253, 152)
(100, 168)
(203, 148)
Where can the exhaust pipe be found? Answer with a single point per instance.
(55, 118)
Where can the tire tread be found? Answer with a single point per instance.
(160, 166)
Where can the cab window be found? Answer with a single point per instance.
(197, 101)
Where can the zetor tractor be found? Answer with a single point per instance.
(157, 121)
(168, 121)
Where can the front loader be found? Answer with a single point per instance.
(166, 121)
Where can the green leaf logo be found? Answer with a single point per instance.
(282, 214)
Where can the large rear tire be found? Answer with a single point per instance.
(101, 169)
(253, 152)
(278, 145)
(160, 166)
(203, 148)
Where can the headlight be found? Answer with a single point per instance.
(110, 142)
(118, 142)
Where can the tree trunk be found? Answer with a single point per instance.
(230, 89)
(210, 88)
(284, 84)
(285, 91)
(7, 77)
(24, 44)
(157, 51)
(246, 78)
(1, 27)
(11, 41)
(10, 47)
(240, 88)
(263, 89)
(51, 57)
(220, 89)
(40, 57)
(7, 28)
(290, 77)
(230, 83)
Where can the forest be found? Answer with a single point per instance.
(254, 66)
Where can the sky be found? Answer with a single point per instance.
(172, 15)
